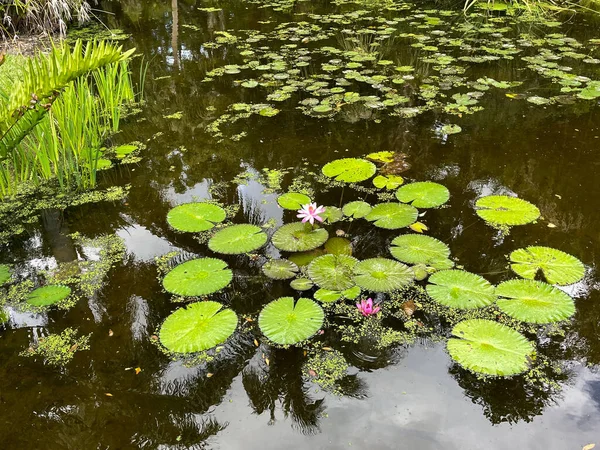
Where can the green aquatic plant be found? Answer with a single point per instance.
(389, 182)
(556, 266)
(280, 269)
(198, 277)
(502, 210)
(490, 348)
(195, 217)
(299, 237)
(357, 209)
(329, 296)
(238, 239)
(534, 301)
(5, 274)
(392, 216)
(333, 272)
(338, 246)
(58, 349)
(423, 194)
(286, 322)
(293, 200)
(349, 170)
(382, 275)
(197, 327)
(302, 284)
(332, 214)
(48, 295)
(460, 289)
(421, 249)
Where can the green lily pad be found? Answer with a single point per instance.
(451, 129)
(349, 170)
(238, 239)
(302, 259)
(382, 275)
(329, 296)
(424, 194)
(357, 209)
(490, 348)
(197, 327)
(195, 217)
(280, 269)
(389, 182)
(293, 200)
(4, 274)
(333, 272)
(421, 249)
(48, 295)
(201, 276)
(460, 289)
(556, 266)
(338, 246)
(287, 323)
(383, 157)
(505, 210)
(534, 301)
(123, 150)
(302, 284)
(332, 214)
(299, 237)
(392, 216)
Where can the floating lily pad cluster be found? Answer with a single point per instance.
(314, 263)
(360, 64)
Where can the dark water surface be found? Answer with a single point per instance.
(408, 397)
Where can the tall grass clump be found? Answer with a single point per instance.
(57, 135)
(41, 16)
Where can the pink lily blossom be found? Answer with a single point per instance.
(310, 212)
(366, 307)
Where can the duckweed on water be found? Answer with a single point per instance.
(58, 349)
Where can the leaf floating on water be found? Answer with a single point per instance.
(338, 246)
(138, 370)
(389, 182)
(417, 249)
(198, 327)
(48, 295)
(392, 216)
(238, 239)
(460, 289)
(382, 275)
(286, 323)
(280, 269)
(557, 267)
(299, 237)
(195, 217)
(505, 210)
(333, 272)
(423, 194)
(451, 129)
(197, 277)
(357, 209)
(5, 274)
(589, 447)
(490, 348)
(293, 200)
(419, 227)
(534, 301)
(349, 170)
(383, 157)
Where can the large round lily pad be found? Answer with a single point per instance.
(460, 289)
(392, 216)
(556, 266)
(280, 269)
(333, 272)
(349, 170)
(505, 210)
(286, 323)
(48, 295)
(195, 217)
(299, 237)
(197, 327)
(534, 301)
(490, 348)
(382, 275)
(4, 273)
(421, 249)
(201, 276)
(238, 239)
(293, 200)
(423, 194)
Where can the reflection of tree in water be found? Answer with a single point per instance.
(509, 399)
(281, 383)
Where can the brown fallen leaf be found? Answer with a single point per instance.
(208, 375)
(255, 342)
(108, 394)
(110, 333)
(328, 349)
(312, 373)
(551, 225)
(588, 447)
(138, 370)
(73, 347)
(409, 307)
(267, 361)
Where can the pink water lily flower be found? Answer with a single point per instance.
(310, 212)
(366, 307)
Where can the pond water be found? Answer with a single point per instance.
(530, 136)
